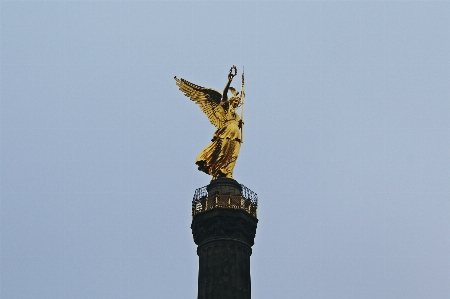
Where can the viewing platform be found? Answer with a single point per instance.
(226, 194)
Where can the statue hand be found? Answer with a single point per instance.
(240, 124)
(230, 74)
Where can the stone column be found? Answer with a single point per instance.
(224, 237)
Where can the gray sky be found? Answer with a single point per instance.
(347, 143)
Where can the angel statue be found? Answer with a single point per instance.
(219, 157)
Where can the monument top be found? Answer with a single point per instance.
(224, 193)
(219, 157)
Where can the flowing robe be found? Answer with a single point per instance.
(219, 157)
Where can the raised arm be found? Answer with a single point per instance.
(230, 78)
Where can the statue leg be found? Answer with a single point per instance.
(231, 152)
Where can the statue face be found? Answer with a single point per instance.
(234, 102)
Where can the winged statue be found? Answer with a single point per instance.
(219, 157)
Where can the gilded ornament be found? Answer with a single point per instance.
(219, 157)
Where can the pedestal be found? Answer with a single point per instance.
(224, 231)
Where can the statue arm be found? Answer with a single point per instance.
(230, 78)
(225, 90)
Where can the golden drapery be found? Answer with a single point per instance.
(219, 157)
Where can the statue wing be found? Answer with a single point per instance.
(207, 98)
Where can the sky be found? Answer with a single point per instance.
(347, 144)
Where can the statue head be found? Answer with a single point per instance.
(235, 100)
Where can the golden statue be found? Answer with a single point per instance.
(219, 157)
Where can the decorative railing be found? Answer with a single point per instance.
(204, 201)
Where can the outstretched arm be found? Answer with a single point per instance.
(225, 90)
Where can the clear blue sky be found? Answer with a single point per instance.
(347, 143)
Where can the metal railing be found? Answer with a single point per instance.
(203, 201)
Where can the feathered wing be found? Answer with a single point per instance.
(207, 98)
